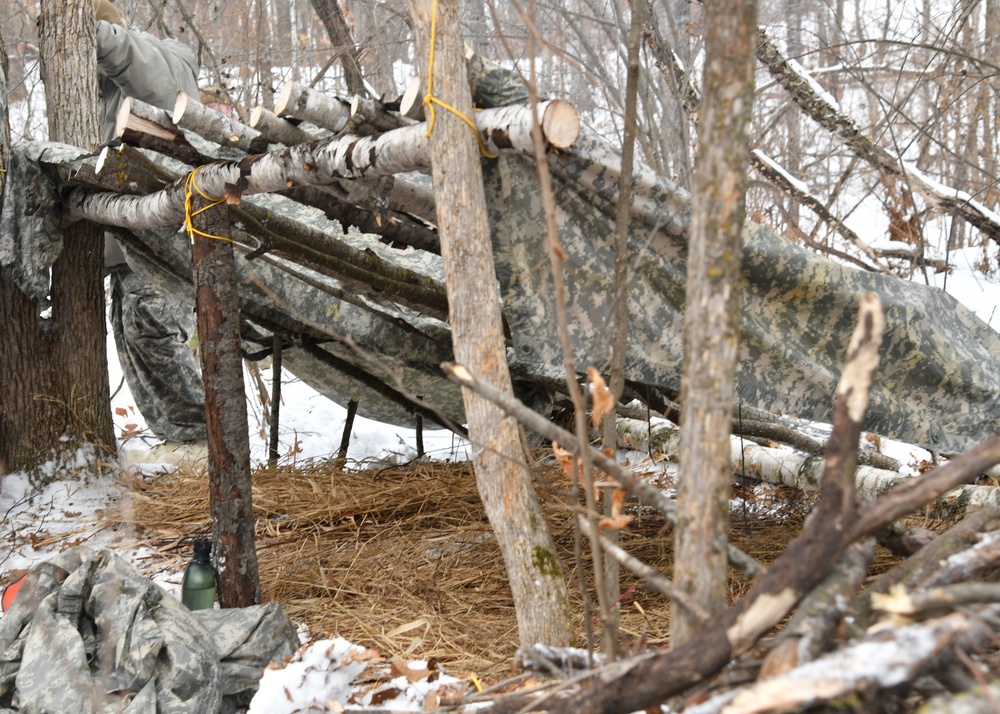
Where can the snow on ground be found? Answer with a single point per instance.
(37, 524)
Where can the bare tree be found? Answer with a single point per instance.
(711, 325)
(505, 484)
(53, 363)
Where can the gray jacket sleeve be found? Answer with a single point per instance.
(142, 66)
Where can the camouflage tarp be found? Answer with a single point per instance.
(88, 633)
(939, 380)
(939, 383)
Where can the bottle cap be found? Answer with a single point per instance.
(202, 548)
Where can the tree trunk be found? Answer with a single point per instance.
(225, 412)
(711, 326)
(535, 574)
(336, 26)
(53, 369)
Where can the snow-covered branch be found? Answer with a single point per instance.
(825, 111)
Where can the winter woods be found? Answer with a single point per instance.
(867, 141)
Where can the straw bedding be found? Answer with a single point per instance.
(402, 559)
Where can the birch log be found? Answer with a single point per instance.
(277, 130)
(301, 102)
(323, 162)
(147, 127)
(789, 468)
(141, 117)
(215, 126)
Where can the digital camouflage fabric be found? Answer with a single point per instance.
(938, 384)
(88, 634)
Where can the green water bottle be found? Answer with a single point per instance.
(198, 589)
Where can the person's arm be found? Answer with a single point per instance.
(145, 67)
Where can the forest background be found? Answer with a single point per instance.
(918, 78)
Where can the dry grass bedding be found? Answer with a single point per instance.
(402, 558)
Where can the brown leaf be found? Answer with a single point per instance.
(402, 668)
(368, 655)
(617, 501)
(384, 695)
(617, 519)
(614, 523)
(233, 194)
(603, 401)
(565, 459)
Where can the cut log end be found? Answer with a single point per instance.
(255, 115)
(180, 106)
(411, 105)
(121, 122)
(561, 124)
(286, 97)
(101, 160)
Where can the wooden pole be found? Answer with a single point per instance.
(345, 439)
(225, 409)
(272, 444)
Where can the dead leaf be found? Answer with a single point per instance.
(404, 668)
(603, 402)
(369, 655)
(618, 519)
(565, 459)
(412, 625)
(613, 523)
(121, 411)
(233, 194)
(384, 695)
(618, 501)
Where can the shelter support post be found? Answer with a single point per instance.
(225, 406)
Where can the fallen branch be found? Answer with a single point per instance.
(904, 605)
(809, 633)
(941, 555)
(633, 684)
(557, 660)
(881, 661)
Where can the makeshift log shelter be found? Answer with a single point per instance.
(337, 257)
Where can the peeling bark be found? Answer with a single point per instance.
(323, 162)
